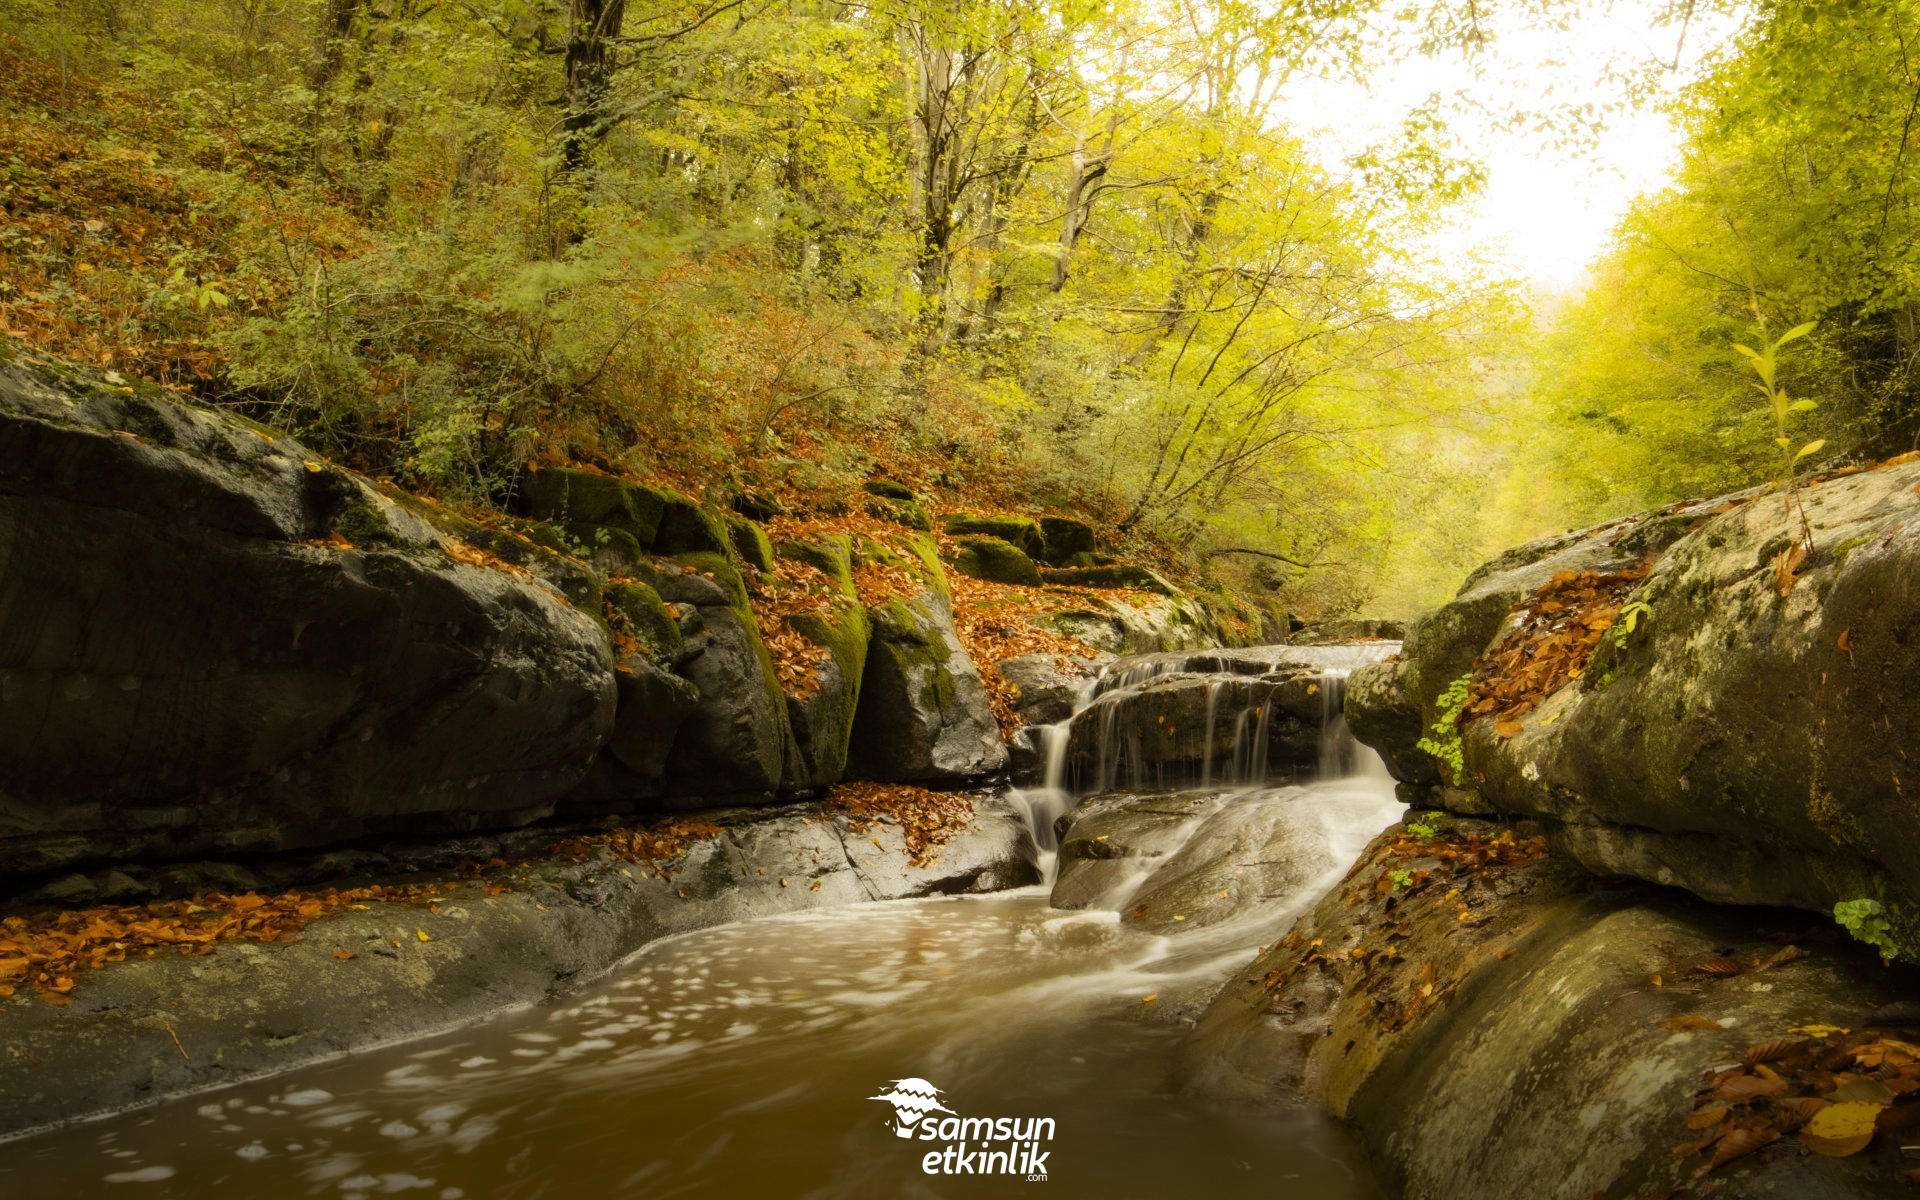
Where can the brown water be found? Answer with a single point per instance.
(739, 1061)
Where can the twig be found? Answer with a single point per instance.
(176, 1044)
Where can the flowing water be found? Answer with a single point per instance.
(747, 1061)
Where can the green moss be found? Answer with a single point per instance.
(889, 489)
(686, 526)
(832, 557)
(1069, 543)
(1847, 547)
(646, 617)
(363, 523)
(1023, 532)
(1117, 575)
(722, 569)
(996, 561)
(910, 513)
(750, 542)
(938, 690)
(581, 502)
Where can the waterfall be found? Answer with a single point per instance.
(1226, 720)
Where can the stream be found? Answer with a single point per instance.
(756, 1059)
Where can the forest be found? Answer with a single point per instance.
(1068, 253)
(685, 598)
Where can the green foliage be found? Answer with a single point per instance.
(1628, 619)
(1422, 832)
(1401, 878)
(1867, 921)
(1443, 737)
(1795, 199)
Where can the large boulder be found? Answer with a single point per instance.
(737, 745)
(1559, 1034)
(995, 561)
(1049, 685)
(1745, 739)
(822, 713)
(1215, 717)
(212, 640)
(1021, 532)
(923, 714)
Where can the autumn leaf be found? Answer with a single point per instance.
(1840, 1130)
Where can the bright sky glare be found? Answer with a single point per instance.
(1545, 213)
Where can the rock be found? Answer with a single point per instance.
(1254, 852)
(1442, 646)
(1110, 843)
(597, 509)
(923, 714)
(736, 746)
(1531, 1031)
(248, 1011)
(1023, 533)
(1114, 575)
(653, 705)
(755, 505)
(642, 614)
(996, 561)
(889, 489)
(1026, 757)
(1382, 716)
(1069, 542)
(823, 718)
(750, 543)
(910, 513)
(1192, 729)
(1213, 717)
(192, 659)
(1739, 742)
(1049, 685)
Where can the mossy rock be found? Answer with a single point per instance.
(581, 501)
(995, 561)
(686, 526)
(750, 542)
(832, 557)
(1069, 543)
(918, 556)
(1118, 575)
(889, 489)
(910, 513)
(647, 618)
(822, 721)
(1022, 532)
(721, 568)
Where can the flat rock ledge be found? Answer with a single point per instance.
(148, 1030)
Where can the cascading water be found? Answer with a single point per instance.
(743, 1060)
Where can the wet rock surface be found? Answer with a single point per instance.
(248, 1010)
(1555, 1030)
(210, 640)
(1745, 740)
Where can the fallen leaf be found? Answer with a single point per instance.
(1841, 1129)
(1738, 1144)
(1150, 997)
(1742, 1088)
(1721, 967)
(344, 955)
(1508, 729)
(1772, 1051)
(1708, 1117)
